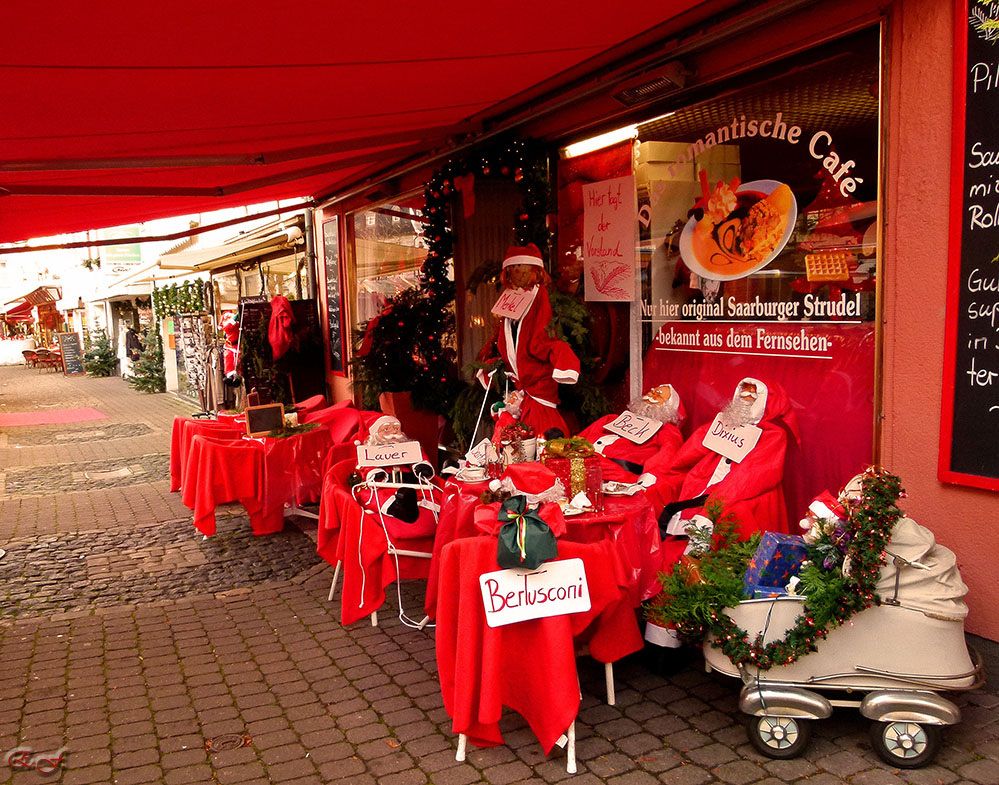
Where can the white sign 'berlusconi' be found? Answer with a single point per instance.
(554, 589)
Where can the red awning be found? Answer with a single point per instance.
(19, 313)
(121, 112)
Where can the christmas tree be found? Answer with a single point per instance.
(99, 358)
(148, 373)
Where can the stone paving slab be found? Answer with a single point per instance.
(171, 659)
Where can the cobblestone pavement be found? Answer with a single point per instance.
(248, 677)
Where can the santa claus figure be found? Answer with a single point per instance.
(230, 327)
(624, 460)
(536, 361)
(385, 430)
(751, 488)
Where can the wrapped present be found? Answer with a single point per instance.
(777, 559)
(577, 474)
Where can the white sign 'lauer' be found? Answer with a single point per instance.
(395, 454)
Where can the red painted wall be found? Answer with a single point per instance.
(918, 138)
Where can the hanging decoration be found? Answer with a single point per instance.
(188, 297)
(833, 594)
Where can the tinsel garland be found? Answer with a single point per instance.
(834, 597)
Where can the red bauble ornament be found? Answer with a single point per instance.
(524, 216)
(505, 170)
(518, 175)
(485, 170)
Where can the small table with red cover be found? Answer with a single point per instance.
(263, 474)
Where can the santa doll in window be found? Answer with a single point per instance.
(536, 361)
(751, 488)
(230, 359)
(641, 457)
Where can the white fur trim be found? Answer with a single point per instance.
(524, 259)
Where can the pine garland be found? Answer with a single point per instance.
(188, 297)
(833, 596)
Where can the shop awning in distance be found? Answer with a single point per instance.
(39, 296)
(281, 236)
(19, 313)
(126, 113)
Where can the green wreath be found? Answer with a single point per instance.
(833, 593)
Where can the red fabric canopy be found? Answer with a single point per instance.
(120, 112)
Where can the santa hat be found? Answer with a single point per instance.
(526, 255)
(826, 506)
(534, 481)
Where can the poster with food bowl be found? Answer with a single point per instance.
(737, 228)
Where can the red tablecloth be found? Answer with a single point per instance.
(529, 666)
(356, 540)
(234, 419)
(218, 472)
(184, 429)
(290, 472)
(627, 521)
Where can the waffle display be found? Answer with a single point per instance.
(828, 266)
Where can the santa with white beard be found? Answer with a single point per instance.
(622, 460)
(751, 489)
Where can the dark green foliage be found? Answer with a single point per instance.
(148, 373)
(188, 297)
(99, 358)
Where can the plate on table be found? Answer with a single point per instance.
(463, 475)
(612, 488)
(568, 510)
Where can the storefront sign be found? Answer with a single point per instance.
(513, 303)
(609, 217)
(732, 442)
(634, 427)
(396, 454)
(969, 427)
(554, 589)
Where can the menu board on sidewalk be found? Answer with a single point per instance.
(72, 357)
(969, 427)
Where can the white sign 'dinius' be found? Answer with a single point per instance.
(633, 427)
(397, 454)
(556, 588)
(732, 442)
(609, 217)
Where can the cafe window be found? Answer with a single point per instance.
(389, 250)
(757, 246)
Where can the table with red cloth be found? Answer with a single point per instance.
(290, 472)
(354, 538)
(184, 430)
(628, 522)
(528, 666)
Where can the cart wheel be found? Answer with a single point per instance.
(907, 745)
(779, 737)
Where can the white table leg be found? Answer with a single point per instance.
(609, 678)
(336, 575)
(462, 741)
(570, 763)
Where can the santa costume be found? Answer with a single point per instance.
(752, 489)
(536, 361)
(624, 461)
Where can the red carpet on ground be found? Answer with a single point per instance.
(50, 417)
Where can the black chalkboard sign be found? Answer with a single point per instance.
(969, 428)
(261, 420)
(72, 357)
(331, 255)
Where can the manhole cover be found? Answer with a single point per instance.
(227, 741)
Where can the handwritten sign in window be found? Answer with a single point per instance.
(609, 220)
(512, 303)
(969, 427)
(554, 589)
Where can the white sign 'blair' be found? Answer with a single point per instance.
(633, 427)
(734, 443)
(554, 589)
(397, 454)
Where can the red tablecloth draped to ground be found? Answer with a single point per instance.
(222, 471)
(628, 522)
(528, 666)
(355, 539)
(184, 430)
(291, 472)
